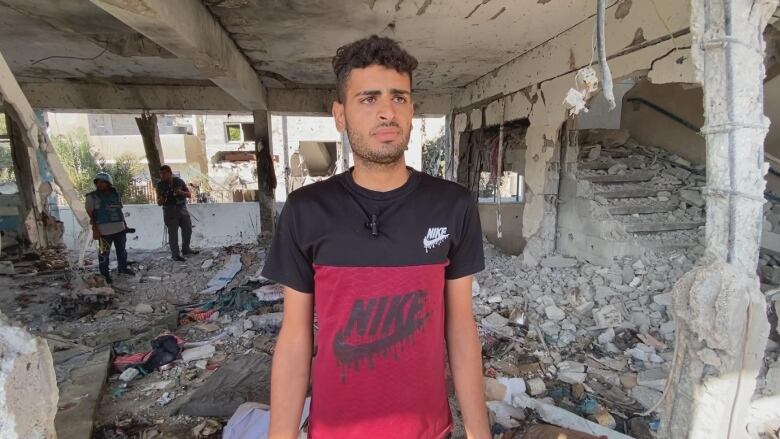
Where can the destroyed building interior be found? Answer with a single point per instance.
(624, 155)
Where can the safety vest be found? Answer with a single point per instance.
(108, 207)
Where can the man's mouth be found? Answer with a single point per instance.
(387, 134)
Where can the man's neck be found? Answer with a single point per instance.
(380, 178)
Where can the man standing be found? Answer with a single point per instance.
(385, 256)
(172, 194)
(104, 207)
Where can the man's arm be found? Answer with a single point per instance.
(90, 208)
(291, 365)
(183, 190)
(160, 196)
(465, 354)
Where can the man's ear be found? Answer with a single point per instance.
(339, 117)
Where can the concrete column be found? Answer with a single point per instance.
(28, 179)
(346, 150)
(150, 134)
(719, 309)
(286, 151)
(266, 177)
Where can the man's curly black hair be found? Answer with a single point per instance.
(373, 50)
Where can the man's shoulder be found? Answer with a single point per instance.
(316, 191)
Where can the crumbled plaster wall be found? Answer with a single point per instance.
(28, 385)
(534, 86)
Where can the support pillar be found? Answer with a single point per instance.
(150, 134)
(719, 308)
(28, 179)
(266, 177)
(286, 156)
(346, 150)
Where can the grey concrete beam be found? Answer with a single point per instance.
(188, 30)
(106, 98)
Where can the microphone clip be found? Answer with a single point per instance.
(373, 226)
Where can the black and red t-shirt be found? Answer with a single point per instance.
(379, 370)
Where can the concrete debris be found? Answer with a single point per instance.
(198, 353)
(563, 418)
(554, 313)
(207, 264)
(559, 262)
(7, 268)
(607, 317)
(28, 399)
(594, 152)
(495, 320)
(645, 396)
(653, 378)
(129, 374)
(536, 386)
(692, 197)
(144, 308)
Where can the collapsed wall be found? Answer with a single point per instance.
(534, 86)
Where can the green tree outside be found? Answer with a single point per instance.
(82, 164)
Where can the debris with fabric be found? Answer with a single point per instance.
(224, 276)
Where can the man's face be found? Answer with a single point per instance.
(102, 185)
(166, 175)
(376, 113)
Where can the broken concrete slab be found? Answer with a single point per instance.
(245, 379)
(692, 197)
(199, 353)
(495, 320)
(645, 208)
(645, 396)
(664, 226)
(559, 262)
(629, 193)
(80, 394)
(653, 378)
(633, 177)
(28, 385)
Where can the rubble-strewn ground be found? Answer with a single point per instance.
(595, 341)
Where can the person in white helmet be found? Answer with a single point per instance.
(104, 207)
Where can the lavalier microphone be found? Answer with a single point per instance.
(373, 225)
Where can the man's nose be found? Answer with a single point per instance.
(386, 110)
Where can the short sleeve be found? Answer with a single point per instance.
(287, 262)
(89, 203)
(466, 255)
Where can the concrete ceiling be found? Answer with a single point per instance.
(289, 43)
(51, 40)
(455, 41)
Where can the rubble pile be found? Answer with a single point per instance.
(594, 341)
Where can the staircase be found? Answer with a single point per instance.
(624, 199)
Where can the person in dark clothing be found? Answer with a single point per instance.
(104, 207)
(384, 256)
(172, 194)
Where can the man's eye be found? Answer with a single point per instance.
(369, 100)
(400, 99)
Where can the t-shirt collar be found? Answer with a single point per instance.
(409, 186)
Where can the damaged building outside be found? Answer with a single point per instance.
(621, 153)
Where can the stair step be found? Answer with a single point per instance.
(662, 226)
(602, 165)
(652, 207)
(634, 177)
(667, 245)
(617, 153)
(629, 193)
